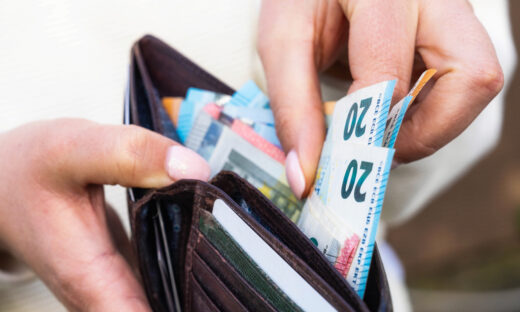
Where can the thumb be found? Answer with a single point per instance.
(127, 155)
(381, 42)
(294, 92)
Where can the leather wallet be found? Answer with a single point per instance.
(180, 265)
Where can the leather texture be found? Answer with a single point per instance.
(204, 278)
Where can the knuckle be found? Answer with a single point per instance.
(413, 144)
(132, 146)
(488, 77)
(423, 149)
(414, 151)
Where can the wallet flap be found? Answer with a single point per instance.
(172, 73)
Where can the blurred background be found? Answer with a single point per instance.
(463, 250)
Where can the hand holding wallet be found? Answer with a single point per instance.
(187, 260)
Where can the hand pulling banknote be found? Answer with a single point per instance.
(341, 215)
(351, 182)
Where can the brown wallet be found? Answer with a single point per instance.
(180, 268)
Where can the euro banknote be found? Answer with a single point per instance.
(225, 149)
(342, 214)
(396, 114)
(249, 105)
(359, 118)
(344, 226)
(195, 100)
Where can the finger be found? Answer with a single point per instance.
(65, 240)
(381, 42)
(79, 261)
(286, 48)
(127, 155)
(119, 236)
(451, 39)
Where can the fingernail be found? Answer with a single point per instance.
(183, 163)
(395, 164)
(294, 174)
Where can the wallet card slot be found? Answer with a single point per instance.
(217, 291)
(144, 237)
(199, 299)
(176, 211)
(288, 241)
(225, 272)
(228, 249)
(165, 265)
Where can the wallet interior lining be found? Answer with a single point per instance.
(177, 248)
(172, 73)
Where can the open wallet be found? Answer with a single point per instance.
(188, 256)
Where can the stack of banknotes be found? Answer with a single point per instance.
(341, 215)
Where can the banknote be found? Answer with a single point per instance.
(343, 225)
(337, 241)
(257, 140)
(195, 100)
(396, 114)
(254, 121)
(250, 95)
(328, 110)
(257, 115)
(249, 105)
(225, 149)
(268, 132)
(341, 215)
(360, 118)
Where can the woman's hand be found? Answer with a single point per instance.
(53, 209)
(384, 40)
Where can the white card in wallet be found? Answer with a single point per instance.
(280, 272)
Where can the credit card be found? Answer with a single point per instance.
(267, 259)
(240, 260)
